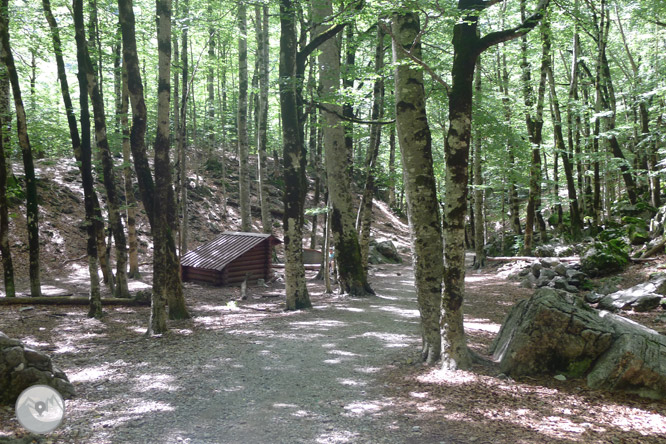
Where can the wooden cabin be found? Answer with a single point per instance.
(229, 258)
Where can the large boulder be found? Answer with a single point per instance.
(21, 367)
(556, 332)
(387, 249)
(642, 297)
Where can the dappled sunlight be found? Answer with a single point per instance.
(402, 312)
(352, 382)
(149, 382)
(389, 339)
(483, 325)
(338, 437)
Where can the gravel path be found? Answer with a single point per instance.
(309, 377)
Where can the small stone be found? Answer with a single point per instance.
(560, 377)
(416, 429)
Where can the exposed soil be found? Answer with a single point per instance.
(347, 371)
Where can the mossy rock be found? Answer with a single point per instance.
(604, 258)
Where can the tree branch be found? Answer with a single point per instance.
(418, 61)
(323, 107)
(509, 34)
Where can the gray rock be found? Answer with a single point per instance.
(544, 251)
(634, 363)
(524, 272)
(641, 297)
(387, 249)
(547, 273)
(559, 282)
(549, 262)
(548, 332)
(6, 341)
(536, 269)
(528, 281)
(21, 367)
(556, 332)
(593, 298)
(560, 269)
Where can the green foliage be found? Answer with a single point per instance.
(577, 369)
(605, 257)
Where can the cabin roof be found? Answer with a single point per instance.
(220, 252)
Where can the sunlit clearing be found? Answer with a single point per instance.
(32, 342)
(280, 405)
(336, 437)
(361, 408)
(144, 406)
(318, 323)
(367, 370)
(155, 382)
(343, 353)
(355, 310)
(482, 326)
(405, 313)
(351, 382)
(137, 285)
(90, 374)
(390, 339)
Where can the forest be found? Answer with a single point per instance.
(479, 138)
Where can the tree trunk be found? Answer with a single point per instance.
(5, 122)
(294, 162)
(32, 209)
(364, 221)
(83, 156)
(176, 300)
(160, 227)
(210, 79)
(423, 208)
(351, 274)
(391, 168)
(534, 121)
(181, 130)
(243, 143)
(467, 47)
(261, 18)
(576, 221)
(479, 234)
(113, 199)
(129, 186)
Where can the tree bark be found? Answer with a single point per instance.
(364, 222)
(467, 47)
(576, 220)
(294, 161)
(423, 208)
(534, 121)
(127, 178)
(352, 278)
(160, 227)
(479, 232)
(5, 122)
(243, 142)
(83, 157)
(261, 18)
(32, 208)
(113, 199)
(176, 300)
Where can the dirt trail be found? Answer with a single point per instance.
(300, 378)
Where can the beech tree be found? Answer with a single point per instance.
(468, 45)
(32, 207)
(5, 251)
(415, 143)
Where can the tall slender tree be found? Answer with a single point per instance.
(262, 34)
(113, 198)
(243, 142)
(5, 251)
(83, 156)
(423, 208)
(32, 207)
(467, 46)
(351, 275)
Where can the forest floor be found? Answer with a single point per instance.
(347, 371)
